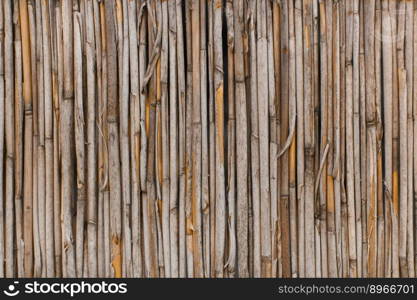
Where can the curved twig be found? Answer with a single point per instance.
(154, 59)
(290, 136)
(323, 160)
(140, 18)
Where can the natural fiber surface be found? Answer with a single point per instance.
(208, 138)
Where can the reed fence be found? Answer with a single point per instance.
(208, 138)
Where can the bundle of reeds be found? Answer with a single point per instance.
(208, 138)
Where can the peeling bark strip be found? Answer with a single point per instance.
(218, 138)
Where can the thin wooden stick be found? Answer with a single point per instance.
(18, 143)
(27, 177)
(241, 139)
(114, 159)
(2, 146)
(9, 138)
(79, 146)
(182, 141)
(220, 155)
(173, 139)
(254, 143)
(91, 141)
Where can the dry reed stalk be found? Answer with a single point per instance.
(165, 182)
(18, 143)
(28, 119)
(173, 144)
(284, 233)
(135, 141)
(371, 121)
(316, 105)
(288, 181)
(67, 134)
(91, 141)
(409, 61)
(395, 147)
(414, 82)
(103, 145)
(27, 233)
(220, 135)
(349, 141)
(380, 201)
(273, 138)
(300, 135)
(363, 138)
(324, 145)
(254, 142)
(330, 197)
(262, 87)
(212, 139)
(49, 155)
(124, 155)
(241, 139)
(188, 156)
(114, 158)
(150, 197)
(230, 124)
(205, 188)
(79, 146)
(336, 110)
(402, 123)
(196, 144)
(387, 90)
(57, 71)
(246, 61)
(9, 138)
(342, 132)
(309, 143)
(40, 210)
(182, 139)
(356, 131)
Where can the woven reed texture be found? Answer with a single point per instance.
(208, 138)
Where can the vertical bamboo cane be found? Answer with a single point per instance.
(27, 98)
(402, 123)
(9, 138)
(409, 61)
(356, 133)
(57, 188)
(182, 138)
(241, 139)
(324, 144)
(173, 139)
(300, 134)
(196, 144)
(380, 201)
(49, 193)
(308, 140)
(91, 141)
(2, 133)
(114, 159)
(18, 144)
(262, 65)
(254, 142)
(205, 196)
(220, 155)
(79, 146)
(231, 145)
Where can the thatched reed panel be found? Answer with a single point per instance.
(194, 138)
